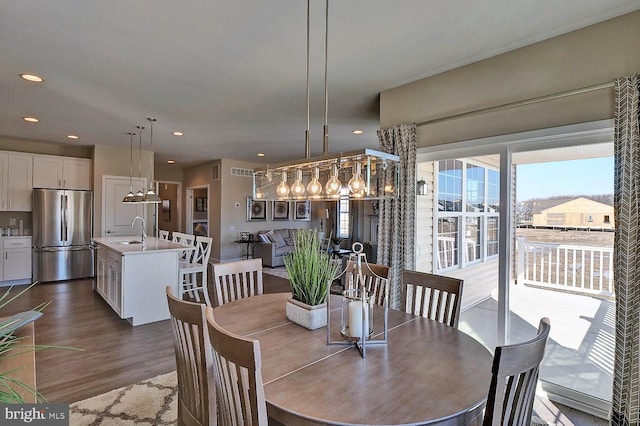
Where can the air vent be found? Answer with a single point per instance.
(236, 171)
(215, 172)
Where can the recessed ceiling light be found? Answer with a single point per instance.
(358, 132)
(30, 119)
(73, 137)
(261, 154)
(32, 78)
(177, 133)
(170, 162)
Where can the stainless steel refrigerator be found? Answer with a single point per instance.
(62, 230)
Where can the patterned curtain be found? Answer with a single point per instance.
(626, 399)
(396, 235)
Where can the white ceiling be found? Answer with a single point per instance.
(231, 73)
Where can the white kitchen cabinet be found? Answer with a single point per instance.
(50, 171)
(19, 182)
(109, 277)
(16, 181)
(16, 259)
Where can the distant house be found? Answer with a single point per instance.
(579, 212)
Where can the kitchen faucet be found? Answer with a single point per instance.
(144, 228)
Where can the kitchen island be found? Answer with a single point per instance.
(132, 276)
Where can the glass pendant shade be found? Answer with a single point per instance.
(333, 186)
(283, 189)
(297, 188)
(315, 187)
(356, 183)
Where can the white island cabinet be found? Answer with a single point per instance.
(132, 277)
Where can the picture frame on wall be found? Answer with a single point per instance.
(256, 210)
(302, 210)
(201, 204)
(280, 210)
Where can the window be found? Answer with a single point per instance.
(467, 219)
(343, 215)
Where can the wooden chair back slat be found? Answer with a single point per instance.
(238, 377)
(376, 280)
(514, 377)
(194, 362)
(163, 235)
(237, 280)
(432, 296)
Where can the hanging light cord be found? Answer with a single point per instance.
(152, 120)
(140, 128)
(325, 129)
(307, 136)
(131, 135)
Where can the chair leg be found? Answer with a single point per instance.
(193, 280)
(205, 287)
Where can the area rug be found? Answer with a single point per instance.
(150, 402)
(278, 272)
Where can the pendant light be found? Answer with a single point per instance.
(140, 194)
(371, 170)
(129, 197)
(150, 196)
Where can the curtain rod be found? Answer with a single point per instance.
(520, 103)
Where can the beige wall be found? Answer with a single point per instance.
(114, 161)
(233, 210)
(168, 220)
(589, 56)
(200, 176)
(168, 172)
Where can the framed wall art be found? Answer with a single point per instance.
(256, 210)
(280, 210)
(201, 204)
(302, 210)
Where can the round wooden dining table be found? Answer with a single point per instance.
(426, 373)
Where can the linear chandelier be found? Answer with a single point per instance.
(362, 174)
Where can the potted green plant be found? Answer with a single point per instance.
(310, 272)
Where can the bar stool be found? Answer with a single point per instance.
(189, 271)
(163, 235)
(187, 240)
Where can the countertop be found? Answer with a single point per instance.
(152, 244)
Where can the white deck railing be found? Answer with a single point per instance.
(580, 269)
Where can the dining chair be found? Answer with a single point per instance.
(194, 362)
(514, 377)
(237, 280)
(376, 279)
(432, 296)
(237, 377)
(198, 265)
(163, 235)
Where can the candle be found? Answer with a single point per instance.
(355, 319)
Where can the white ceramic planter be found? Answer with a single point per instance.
(310, 317)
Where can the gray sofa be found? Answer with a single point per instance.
(272, 253)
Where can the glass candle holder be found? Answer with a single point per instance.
(357, 315)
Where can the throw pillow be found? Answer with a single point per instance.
(264, 238)
(277, 239)
(288, 241)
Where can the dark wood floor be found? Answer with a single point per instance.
(113, 354)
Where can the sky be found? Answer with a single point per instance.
(576, 177)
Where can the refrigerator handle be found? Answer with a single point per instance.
(62, 217)
(65, 219)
